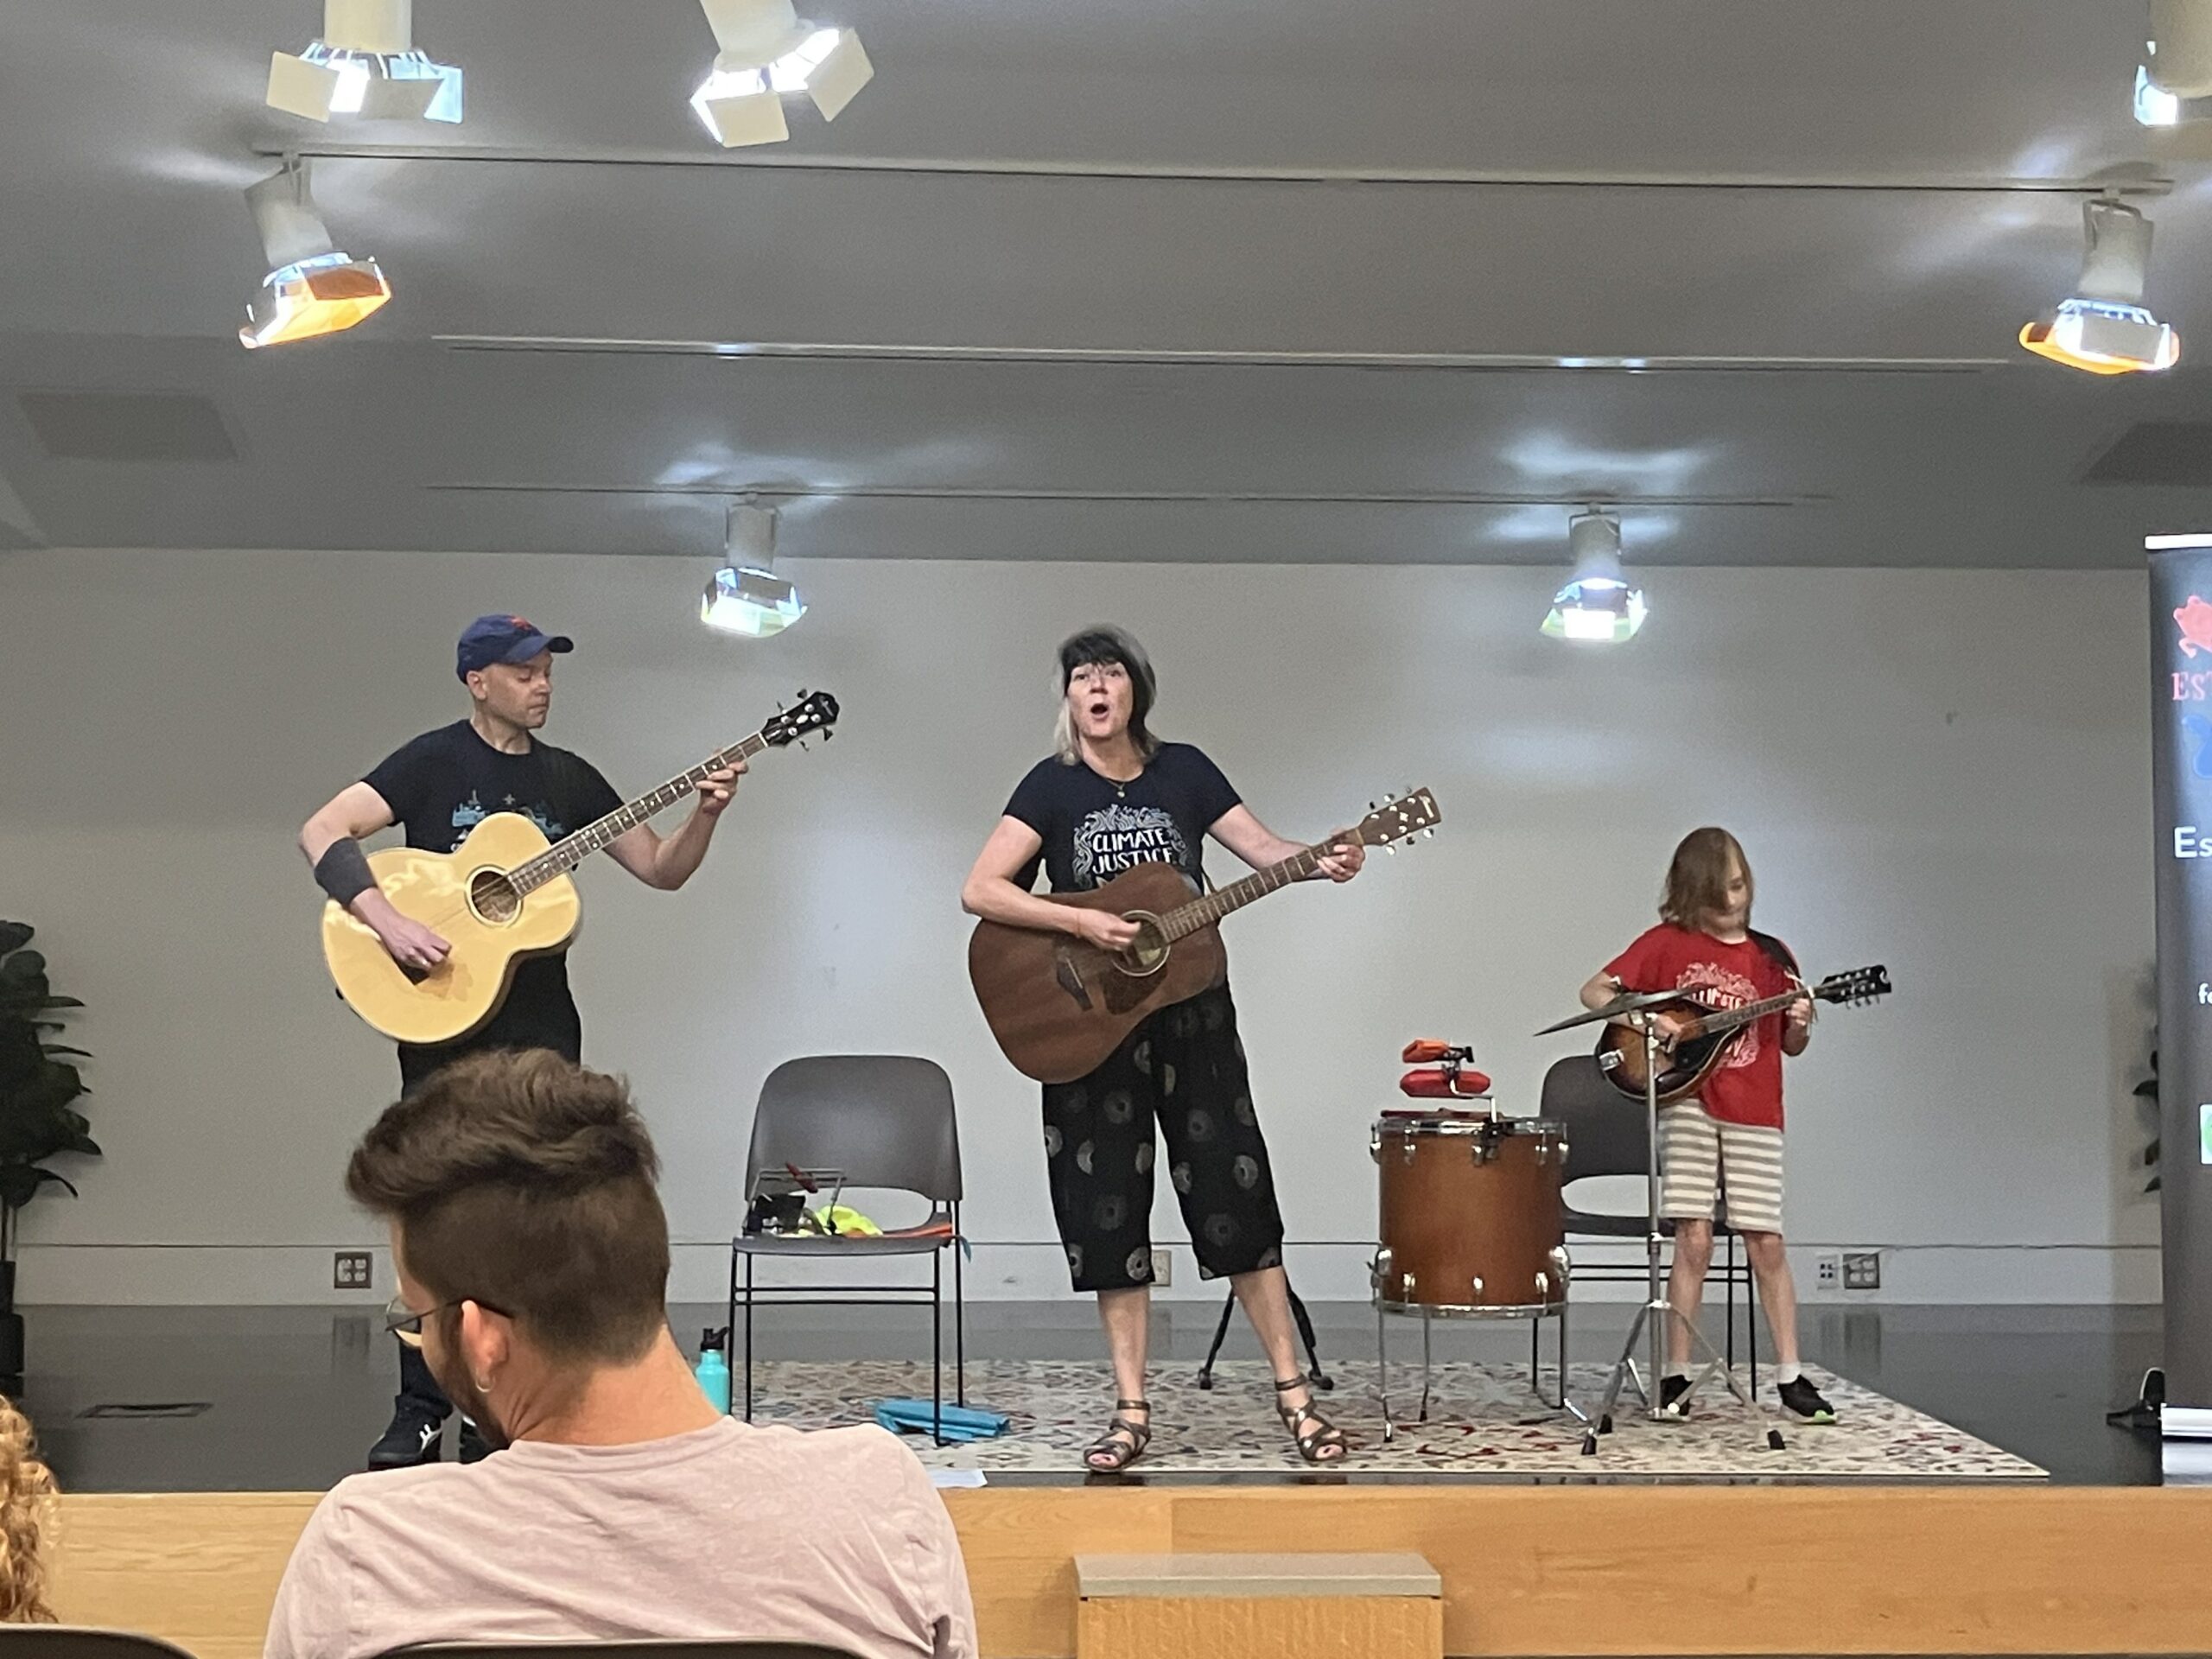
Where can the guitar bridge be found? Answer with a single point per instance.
(1070, 981)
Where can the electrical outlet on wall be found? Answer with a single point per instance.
(1163, 1268)
(1862, 1270)
(352, 1270)
(1827, 1272)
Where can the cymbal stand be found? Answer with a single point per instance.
(1651, 1320)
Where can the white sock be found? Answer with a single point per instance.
(1677, 1371)
(1786, 1374)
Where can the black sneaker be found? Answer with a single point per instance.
(413, 1439)
(1671, 1390)
(1801, 1397)
(469, 1446)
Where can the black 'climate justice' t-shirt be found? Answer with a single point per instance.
(1094, 828)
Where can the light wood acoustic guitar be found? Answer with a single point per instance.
(504, 894)
(1706, 1033)
(1059, 1006)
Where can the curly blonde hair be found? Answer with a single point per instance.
(27, 1506)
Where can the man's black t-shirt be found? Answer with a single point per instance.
(443, 785)
(1094, 828)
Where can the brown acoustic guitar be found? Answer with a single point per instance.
(1706, 1033)
(1059, 1006)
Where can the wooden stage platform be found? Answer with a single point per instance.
(1548, 1570)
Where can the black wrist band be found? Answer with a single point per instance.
(343, 871)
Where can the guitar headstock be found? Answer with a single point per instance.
(1401, 817)
(816, 711)
(1859, 986)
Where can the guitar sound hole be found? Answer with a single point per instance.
(493, 898)
(1145, 953)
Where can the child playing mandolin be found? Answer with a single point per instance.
(1724, 1143)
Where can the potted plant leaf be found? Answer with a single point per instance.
(39, 1120)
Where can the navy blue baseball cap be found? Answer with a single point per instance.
(492, 639)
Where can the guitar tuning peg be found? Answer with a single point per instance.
(1429, 833)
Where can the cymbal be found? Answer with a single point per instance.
(1627, 1002)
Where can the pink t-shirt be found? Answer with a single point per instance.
(834, 1538)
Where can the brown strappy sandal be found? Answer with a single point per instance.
(1323, 1434)
(1123, 1442)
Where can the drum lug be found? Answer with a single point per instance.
(1405, 1288)
(1478, 1282)
(1564, 1263)
(1562, 1154)
(1409, 1149)
(1544, 1286)
(1375, 1145)
(1544, 1152)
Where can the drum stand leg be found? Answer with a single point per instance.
(1423, 1416)
(1383, 1371)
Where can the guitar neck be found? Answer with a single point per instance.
(1728, 1019)
(566, 854)
(1187, 919)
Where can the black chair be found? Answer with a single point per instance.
(85, 1641)
(884, 1120)
(621, 1649)
(1604, 1132)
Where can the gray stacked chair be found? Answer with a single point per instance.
(885, 1121)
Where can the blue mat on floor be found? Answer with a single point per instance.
(961, 1423)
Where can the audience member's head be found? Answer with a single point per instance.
(527, 1237)
(26, 1519)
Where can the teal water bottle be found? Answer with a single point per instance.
(713, 1368)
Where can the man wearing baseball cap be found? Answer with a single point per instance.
(439, 787)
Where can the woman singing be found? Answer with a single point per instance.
(1114, 797)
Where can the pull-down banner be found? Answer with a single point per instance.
(2180, 772)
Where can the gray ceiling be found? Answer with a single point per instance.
(1245, 280)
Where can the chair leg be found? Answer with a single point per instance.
(959, 1308)
(1728, 1319)
(937, 1346)
(729, 1326)
(749, 1336)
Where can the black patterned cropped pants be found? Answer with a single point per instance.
(1184, 1067)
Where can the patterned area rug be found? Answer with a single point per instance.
(1482, 1424)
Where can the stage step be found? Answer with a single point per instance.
(1272, 1606)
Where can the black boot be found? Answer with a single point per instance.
(419, 1417)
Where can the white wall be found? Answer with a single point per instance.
(1945, 772)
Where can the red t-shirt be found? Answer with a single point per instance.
(1746, 1086)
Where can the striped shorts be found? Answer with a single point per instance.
(1700, 1157)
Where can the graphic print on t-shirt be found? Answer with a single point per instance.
(1119, 838)
(473, 811)
(1717, 988)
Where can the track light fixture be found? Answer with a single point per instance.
(1597, 606)
(2104, 327)
(311, 289)
(366, 64)
(766, 51)
(745, 596)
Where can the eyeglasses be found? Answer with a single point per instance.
(406, 1324)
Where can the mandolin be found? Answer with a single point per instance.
(1059, 1006)
(503, 894)
(1709, 1034)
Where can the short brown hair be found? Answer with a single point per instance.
(525, 1182)
(1697, 879)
